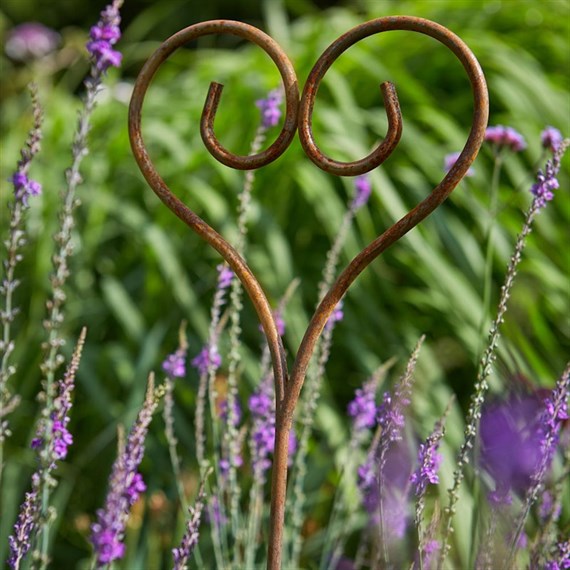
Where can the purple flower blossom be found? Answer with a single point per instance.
(225, 464)
(260, 404)
(26, 525)
(262, 439)
(511, 444)
(390, 413)
(208, 356)
(363, 189)
(562, 559)
(551, 138)
(135, 489)
(544, 188)
(62, 439)
(175, 364)
(363, 408)
(505, 137)
(450, 159)
(25, 187)
(429, 549)
(369, 486)
(270, 108)
(546, 181)
(554, 413)
(50, 449)
(30, 41)
(548, 508)
(103, 36)
(226, 416)
(510, 439)
(391, 417)
(107, 546)
(429, 461)
(125, 486)
(225, 276)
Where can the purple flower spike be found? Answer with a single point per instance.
(30, 41)
(135, 489)
(555, 412)
(451, 159)
(103, 36)
(262, 439)
(226, 416)
(225, 276)
(125, 487)
(562, 557)
(25, 527)
(190, 538)
(363, 189)
(546, 182)
(505, 137)
(429, 549)
(270, 108)
(208, 356)
(551, 138)
(24, 187)
(363, 408)
(544, 188)
(62, 440)
(175, 364)
(429, 461)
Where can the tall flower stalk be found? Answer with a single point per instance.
(227, 441)
(24, 188)
(270, 116)
(51, 444)
(125, 486)
(189, 541)
(102, 37)
(542, 191)
(429, 460)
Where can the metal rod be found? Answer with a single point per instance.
(288, 391)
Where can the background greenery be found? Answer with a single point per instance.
(138, 271)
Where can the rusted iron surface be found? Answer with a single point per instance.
(300, 115)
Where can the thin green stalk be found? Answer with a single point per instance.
(64, 251)
(489, 239)
(15, 241)
(481, 384)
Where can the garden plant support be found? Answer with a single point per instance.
(299, 116)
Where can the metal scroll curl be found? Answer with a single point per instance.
(299, 115)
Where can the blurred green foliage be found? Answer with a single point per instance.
(138, 271)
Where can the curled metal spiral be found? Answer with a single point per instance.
(300, 116)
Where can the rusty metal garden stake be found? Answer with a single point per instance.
(299, 116)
